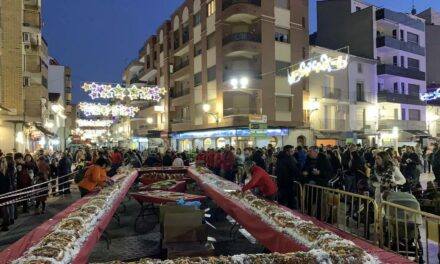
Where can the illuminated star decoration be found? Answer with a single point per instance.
(324, 64)
(107, 91)
(91, 109)
(430, 96)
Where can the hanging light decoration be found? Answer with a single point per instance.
(94, 123)
(91, 109)
(107, 91)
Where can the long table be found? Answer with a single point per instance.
(275, 240)
(17, 249)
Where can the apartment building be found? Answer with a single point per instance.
(222, 62)
(397, 42)
(432, 27)
(60, 95)
(23, 85)
(344, 103)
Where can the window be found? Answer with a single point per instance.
(26, 37)
(402, 88)
(414, 114)
(26, 81)
(281, 68)
(197, 49)
(282, 3)
(411, 37)
(358, 8)
(413, 63)
(403, 114)
(304, 53)
(211, 8)
(283, 104)
(197, 19)
(402, 35)
(396, 114)
(402, 61)
(282, 35)
(359, 67)
(395, 60)
(396, 87)
(197, 79)
(394, 33)
(303, 22)
(360, 91)
(44, 81)
(413, 89)
(211, 73)
(211, 40)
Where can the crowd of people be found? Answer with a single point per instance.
(370, 171)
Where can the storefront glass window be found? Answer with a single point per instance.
(221, 142)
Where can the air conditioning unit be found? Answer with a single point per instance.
(27, 46)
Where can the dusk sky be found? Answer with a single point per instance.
(98, 38)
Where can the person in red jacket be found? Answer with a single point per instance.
(200, 158)
(260, 179)
(227, 164)
(217, 162)
(210, 159)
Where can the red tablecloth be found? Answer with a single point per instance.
(17, 249)
(274, 239)
(145, 197)
(180, 186)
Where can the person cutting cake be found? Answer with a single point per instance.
(259, 179)
(95, 177)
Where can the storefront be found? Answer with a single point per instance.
(238, 138)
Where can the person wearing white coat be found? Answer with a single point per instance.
(386, 177)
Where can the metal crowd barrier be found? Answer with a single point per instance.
(36, 190)
(297, 189)
(353, 213)
(409, 232)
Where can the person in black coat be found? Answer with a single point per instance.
(409, 164)
(287, 171)
(64, 168)
(258, 159)
(317, 169)
(5, 187)
(167, 159)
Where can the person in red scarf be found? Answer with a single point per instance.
(227, 164)
(260, 179)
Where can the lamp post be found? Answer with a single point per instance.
(207, 108)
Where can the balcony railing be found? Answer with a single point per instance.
(239, 111)
(365, 125)
(400, 18)
(242, 36)
(400, 71)
(252, 74)
(181, 65)
(333, 124)
(387, 96)
(402, 124)
(228, 3)
(176, 93)
(388, 41)
(331, 93)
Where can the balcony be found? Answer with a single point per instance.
(400, 71)
(228, 3)
(365, 126)
(390, 42)
(400, 18)
(136, 79)
(176, 93)
(251, 74)
(387, 96)
(243, 36)
(239, 111)
(146, 73)
(180, 66)
(332, 124)
(402, 124)
(332, 93)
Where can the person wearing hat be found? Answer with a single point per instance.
(259, 179)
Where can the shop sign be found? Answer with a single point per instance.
(257, 118)
(254, 126)
(258, 133)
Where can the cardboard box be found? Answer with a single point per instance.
(195, 249)
(182, 224)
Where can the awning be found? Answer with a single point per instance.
(333, 135)
(45, 131)
(417, 133)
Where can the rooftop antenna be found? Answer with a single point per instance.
(413, 10)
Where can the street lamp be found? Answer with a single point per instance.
(242, 83)
(207, 108)
(150, 120)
